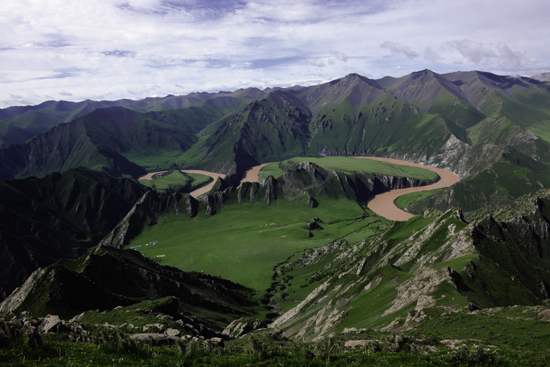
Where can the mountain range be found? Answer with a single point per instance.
(70, 202)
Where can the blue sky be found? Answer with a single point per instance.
(111, 49)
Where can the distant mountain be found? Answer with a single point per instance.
(38, 119)
(462, 121)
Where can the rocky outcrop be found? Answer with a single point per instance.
(147, 211)
(107, 279)
(240, 327)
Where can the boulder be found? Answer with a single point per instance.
(49, 323)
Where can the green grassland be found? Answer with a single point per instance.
(404, 201)
(177, 180)
(351, 164)
(240, 243)
(273, 169)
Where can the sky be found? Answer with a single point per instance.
(112, 49)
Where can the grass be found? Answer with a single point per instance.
(404, 201)
(352, 164)
(103, 347)
(249, 237)
(176, 180)
(273, 169)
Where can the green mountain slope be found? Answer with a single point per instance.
(109, 278)
(38, 119)
(58, 216)
(270, 129)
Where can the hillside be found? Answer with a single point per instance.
(58, 216)
(464, 121)
(109, 278)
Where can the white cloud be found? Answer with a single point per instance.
(340, 56)
(318, 63)
(431, 55)
(472, 50)
(399, 48)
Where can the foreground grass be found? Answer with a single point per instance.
(113, 348)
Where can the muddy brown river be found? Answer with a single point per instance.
(197, 192)
(383, 204)
(252, 174)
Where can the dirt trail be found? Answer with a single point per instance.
(197, 192)
(206, 188)
(383, 204)
(252, 174)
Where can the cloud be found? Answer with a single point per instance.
(399, 48)
(340, 56)
(15, 96)
(472, 50)
(119, 53)
(318, 63)
(430, 55)
(63, 93)
(502, 54)
(510, 58)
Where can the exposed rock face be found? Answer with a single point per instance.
(243, 326)
(146, 212)
(58, 216)
(505, 263)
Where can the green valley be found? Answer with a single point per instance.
(108, 256)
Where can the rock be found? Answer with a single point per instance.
(172, 332)
(49, 323)
(159, 328)
(312, 202)
(77, 318)
(545, 315)
(243, 326)
(314, 224)
(162, 338)
(217, 342)
(425, 301)
(350, 330)
(355, 344)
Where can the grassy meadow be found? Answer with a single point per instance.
(243, 242)
(176, 180)
(349, 165)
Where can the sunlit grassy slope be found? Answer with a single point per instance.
(243, 242)
(176, 180)
(350, 164)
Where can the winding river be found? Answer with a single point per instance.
(252, 174)
(383, 204)
(197, 192)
